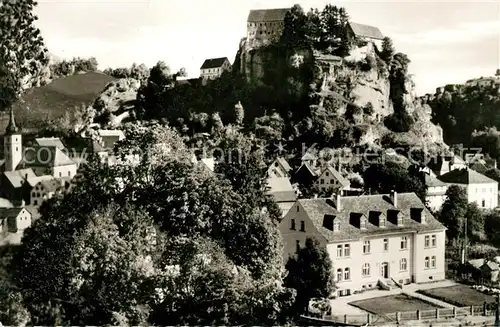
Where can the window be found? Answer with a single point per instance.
(69, 174)
(433, 240)
(433, 262)
(404, 242)
(483, 203)
(297, 245)
(366, 247)
(347, 250)
(426, 263)
(332, 181)
(347, 274)
(366, 269)
(339, 251)
(322, 181)
(292, 226)
(35, 202)
(302, 226)
(327, 174)
(297, 208)
(386, 244)
(60, 174)
(403, 264)
(427, 241)
(339, 274)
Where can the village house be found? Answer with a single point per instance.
(47, 189)
(371, 239)
(13, 222)
(480, 189)
(264, 26)
(443, 164)
(213, 68)
(365, 33)
(483, 270)
(329, 177)
(279, 168)
(436, 192)
(283, 193)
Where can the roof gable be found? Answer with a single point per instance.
(366, 31)
(214, 63)
(267, 15)
(281, 189)
(338, 176)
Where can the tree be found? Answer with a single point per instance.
(497, 73)
(454, 211)
(23, 55)
(493, 173)
(310, 274)
(492, 227)
(387, 50)
(383, 178)
(475, 223)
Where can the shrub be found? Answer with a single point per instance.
(368, 109)
(399, 122)
(368, 63)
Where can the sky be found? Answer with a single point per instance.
(447, 42)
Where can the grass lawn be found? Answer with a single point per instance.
(392, 303)
(459, 295)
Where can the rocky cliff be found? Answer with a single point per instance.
(357, 86)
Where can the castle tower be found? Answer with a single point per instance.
(12, 144)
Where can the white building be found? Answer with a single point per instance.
(436, 192)
(480, 189)
(329, 177)
(213, 68)
(365, 33)
(370, 239)
(264, 26)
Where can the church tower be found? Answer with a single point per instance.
(12, 144)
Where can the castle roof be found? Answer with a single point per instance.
(366, 31)
(213, 63)
(267, 15)
(317, 209)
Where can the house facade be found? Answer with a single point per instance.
(370, 239)
(329, 177)
(480, 189)
(279, 168)
(283, 193)
(213, 68)
(264, 26)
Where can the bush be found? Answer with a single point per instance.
(368, 63)
(368, 109)
(399, 122)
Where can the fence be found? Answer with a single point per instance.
(396, 317)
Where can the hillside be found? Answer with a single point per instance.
(463, 108)
(56, 98)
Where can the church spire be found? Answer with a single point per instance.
(11, 128)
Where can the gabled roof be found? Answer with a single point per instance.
(213, 63)
(18, 177)
(267, 15)
(316, 209)
(37, 179)
(338, 176)
(366, 31)
(465, 176)
(478, 166)
(476, 263)
(81, 144)
(491, 265)
(10, 212)
(46, 156)
(281, 189)
(284, 164)
(50, 141)
(308, 168)
(308, 156)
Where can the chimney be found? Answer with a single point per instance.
(394, 198)
(337, 203)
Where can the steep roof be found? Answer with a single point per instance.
(267, 15)
(308, 168)
(213, 63)
(11, 127)
(50, 141)
(284, 163)
(366, 31)
(209, 163)
(47, 156)
(465, 176)
(281, 189)
(316, 209)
